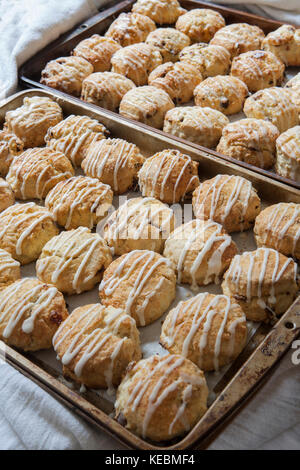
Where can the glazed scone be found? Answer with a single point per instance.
(7, 197)
(73, 261)
(200, 24)
(10, 146)
(146, 104)
(258, 69)
(209, 330)
(169, 176)
(223, 93)
(160, 11)
(74, 135)
(66, 74)
(136, 62)
(294, 86)
(106, 89)
(231, 201)
(169, 42)
(139, 223)
(31, 121)
(30, 314)
(288, 154)
(209, 60)
(178, 80)
(200, 125)
(24, 230)
(98, 51)
(130, 28)
(200, 252)
(274, 105)
(263, 282)
(95, 344)
(284, 42)
(35, 172)
(238, 38)
(9, 269)
(250, 140)
(114, 162)
(161, 398)
(79, 201)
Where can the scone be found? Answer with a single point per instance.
(31, 121)
(209, 330)
(139, 223)
(263, 282)
(169, 42)
(200, 251)
(73, 261)
(284, 42)
(74, 135)
(169, 176)
(278, 227)
(238, 38)
(79, 201)
(98, 51)
(250, 140)
(258, 69)
(161, 398)
(200, 24)
(229, 200)
(114, 162)
(35, 172)
(293, 85)
(224, 93)
(130, 28)
(178, 80)
(106, 89)
(203, 126)
(160, 11)
(209, 60)
(66, 74)
(288, 154)
(95, 344)
(9, 269)
(10, 146)
(274, 105)
(24, 230)
(7, 197)
(136, 62)
(30, 314)
(146, 104)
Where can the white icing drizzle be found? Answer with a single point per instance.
(34, 112)
(289, 144)
(135, 60)
(6, 261)
(286, 111)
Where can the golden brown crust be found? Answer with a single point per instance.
(130, 28)
(98, 51)
(169, 42)
(7, 197)
(238, 38)
(160, 11)
(10, 146)
(284, 42)
(288, 154)
(9, 269)
(200, 24)
(209, 59)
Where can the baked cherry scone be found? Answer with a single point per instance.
(209, 330)
(231, 201)
(10, 146)
(160, 11)
(7, 197)
(169, 42)
(169, 176)
(130, 28)
(31, 121)
(161, 398)
(79, 201)
(9, 269)
(258, 69)
(250, 140)
(114, 162)
(95, 344)
(238, 38)
(284, 42)
(200, 125)
(66, 74)
(98, 51)
(263, 282)
(178, 80)
(200, 24)
(73, 261)
(35, 172)
(30, 314)
(136, 62)
(139, 223)
(288, 154)
(25, 229)
(200, 251)
(106, 89)
(146, 104)
(209, 60)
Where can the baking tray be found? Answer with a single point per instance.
(236, 383)
(31, 71)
